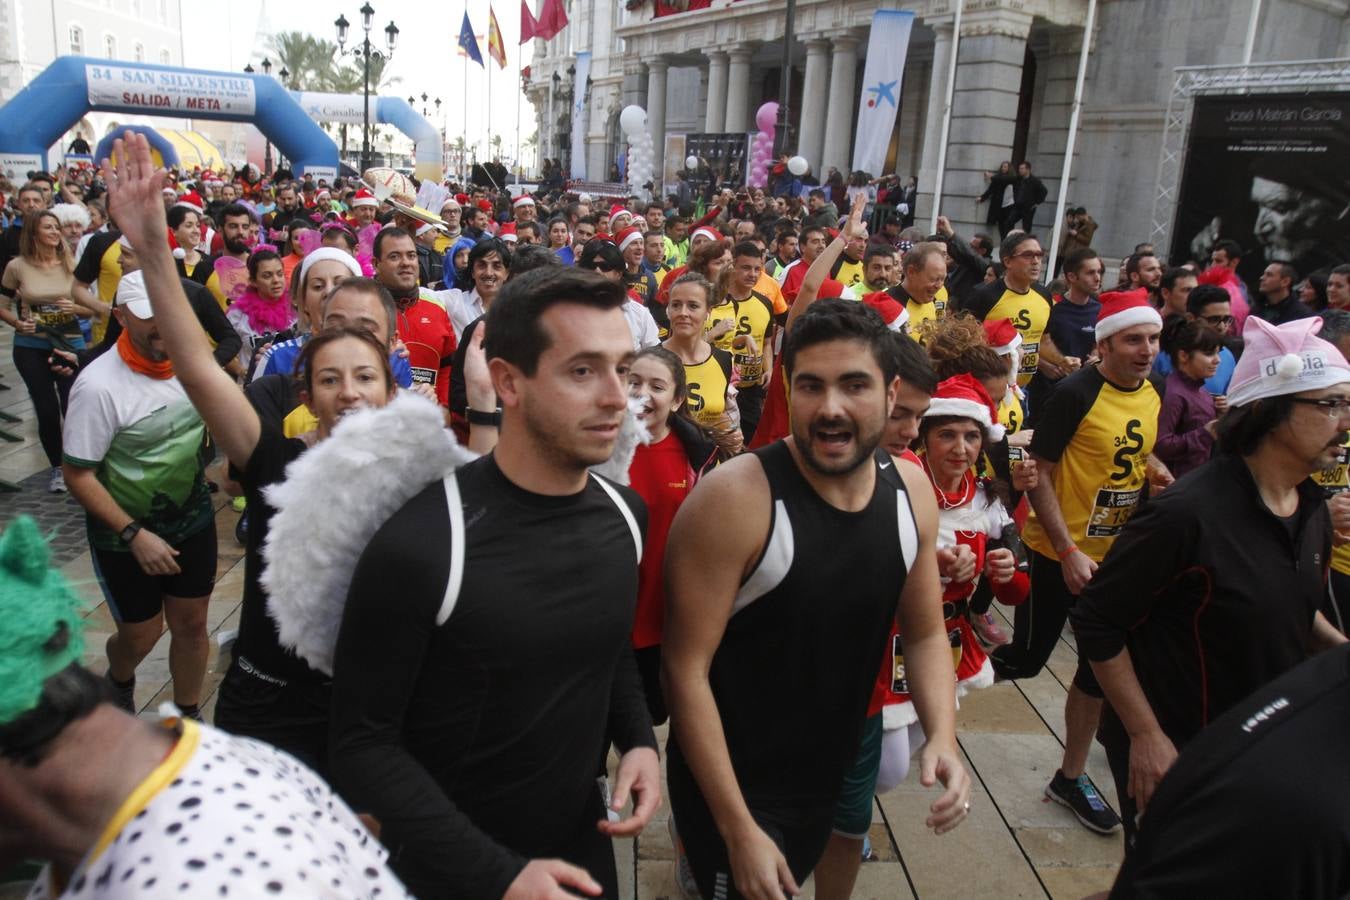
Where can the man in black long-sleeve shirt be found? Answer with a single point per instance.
(484, 663)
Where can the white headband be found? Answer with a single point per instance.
(319, 254)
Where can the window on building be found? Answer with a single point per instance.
(164, 58)
(140, 52)
(76, 39)
(110, 46)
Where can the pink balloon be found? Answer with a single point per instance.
(766, 117)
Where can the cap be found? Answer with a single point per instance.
(132, 295)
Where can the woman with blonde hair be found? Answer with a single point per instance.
(38, 285)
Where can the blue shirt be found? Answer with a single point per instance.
(281, 361)
(1216, 383)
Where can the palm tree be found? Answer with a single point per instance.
(306, 58)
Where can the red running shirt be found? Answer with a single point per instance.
(661, 475)
(426, 331)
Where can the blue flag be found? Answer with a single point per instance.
(467, 42)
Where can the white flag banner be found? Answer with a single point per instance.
(887, 49)
(579, 113)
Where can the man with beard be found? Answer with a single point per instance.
(132, 459)
(1278, 303)
(1143, 270)
(237, 231)
(781, 617)
(494, 794)
(423, 324)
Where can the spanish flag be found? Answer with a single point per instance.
(496, 49)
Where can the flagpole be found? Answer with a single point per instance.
(947, 117)
(518, 87)
(464, 137)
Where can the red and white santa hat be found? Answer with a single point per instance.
(626, 237)
(522, 200)
(1125, 309)
(364, 197)
(178, 252)
(892, 311)
(704, 231)
(1003, 336)
(618, 218)
(193, 201)
(508, 232)
(964, 397)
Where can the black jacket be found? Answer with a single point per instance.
(1209, 593)
(1029, 192)
(994, 194)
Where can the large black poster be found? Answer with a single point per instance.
(1271, 172)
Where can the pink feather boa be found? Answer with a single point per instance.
(265, 315)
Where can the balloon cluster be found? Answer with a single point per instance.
(761, 150)
(641, 153)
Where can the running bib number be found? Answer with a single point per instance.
(899, 682)
(1031, 356)
(1111, 511)
(1334, 480)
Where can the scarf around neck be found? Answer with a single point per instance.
(140, 364)
(264, 315)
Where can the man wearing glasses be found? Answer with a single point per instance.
(1211, 305)
(1017, 296)
(1215, 589)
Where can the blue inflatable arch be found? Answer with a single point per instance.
(50, 104)
(383, 111)
(158, 143)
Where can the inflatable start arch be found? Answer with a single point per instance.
(48, 106)
(383, 111)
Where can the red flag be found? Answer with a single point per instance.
(529, 28)
(552, 19)
(496, 49)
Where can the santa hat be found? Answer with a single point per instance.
(833, 289)
(193, 201)
(523, 200)
(423, 229)
(964, 397)
(706, 232)
(627, 236)
(1003, 336)
(462, 199)
(1284, 359)
(508, 232)
(615, 212)
(485, 205)
(892, 311)
(364, 197)
(1125, 309)
(178, 252)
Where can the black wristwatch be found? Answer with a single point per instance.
(129, 533)
(478, 417)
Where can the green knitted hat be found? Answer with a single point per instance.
(41, 628)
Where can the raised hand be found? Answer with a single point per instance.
(854, 228)
(135, 199)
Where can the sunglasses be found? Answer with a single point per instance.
(603, 267)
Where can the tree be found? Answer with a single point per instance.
(306, 58)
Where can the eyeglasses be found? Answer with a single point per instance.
(1030, 254)
(1336, 407)
(1216, 321)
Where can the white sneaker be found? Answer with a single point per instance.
(58, 483)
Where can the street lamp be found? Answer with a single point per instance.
(267, 139)
(364, 52)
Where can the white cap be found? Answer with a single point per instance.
(132, 295)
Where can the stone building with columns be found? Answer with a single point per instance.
(709, 69)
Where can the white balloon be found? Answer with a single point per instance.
(691, 162)
(633, 120)
(798, 165)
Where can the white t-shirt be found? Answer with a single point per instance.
(225, 816)
(462, 306)
(641, 324)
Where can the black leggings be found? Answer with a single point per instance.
(50, 393)
(1037, 625)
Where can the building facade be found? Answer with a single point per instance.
(33, 33)
(709, 69)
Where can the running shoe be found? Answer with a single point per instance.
(124, 695)
(1081, 797)
(987, 631)
(57, 484)
(684, 873)
(241, 529)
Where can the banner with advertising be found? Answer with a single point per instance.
(1268, 171)
(580, 114)
(879, 105)
(169, 92)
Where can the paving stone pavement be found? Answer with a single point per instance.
(1015, 844)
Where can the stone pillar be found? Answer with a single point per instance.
(984, 110)
(815, 85)
(656, 114)
(717, 91)
(738, 90)
(932, 129)
(1057, 65)
(839, 114)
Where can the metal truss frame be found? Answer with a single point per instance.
(1189, 82)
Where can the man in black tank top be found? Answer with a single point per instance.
(784, 570)
(484, 664)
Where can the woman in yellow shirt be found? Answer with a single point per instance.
(710, 400)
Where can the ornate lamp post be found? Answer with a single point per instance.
(364, 52)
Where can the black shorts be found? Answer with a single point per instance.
(289, 715)
(801, 835)
(134, 596)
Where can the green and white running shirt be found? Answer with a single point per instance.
(143, 436)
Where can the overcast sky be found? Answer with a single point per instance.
(229, 35)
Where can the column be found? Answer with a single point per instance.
(656, 115)
(932, 129)
(717, 91)
(984, 109)
(738, 90)
(815, 84)
(839, 114)
(1056, 75)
